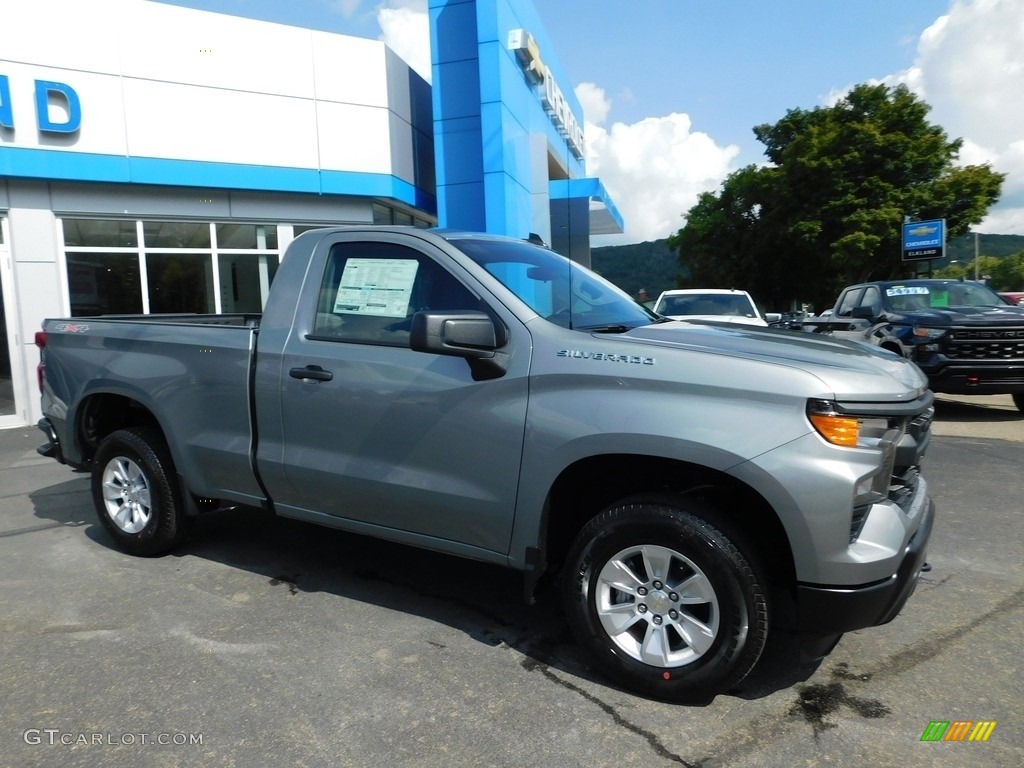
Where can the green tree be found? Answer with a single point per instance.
(828, 210)
(1003, 274)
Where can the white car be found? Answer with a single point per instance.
(717, 304)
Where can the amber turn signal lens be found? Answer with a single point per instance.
(838, 430)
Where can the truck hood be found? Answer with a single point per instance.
(849, 369)
(938, 318)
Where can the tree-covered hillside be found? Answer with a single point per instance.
(650, 265)
(654, 267)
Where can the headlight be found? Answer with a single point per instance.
(851, 431)
(836, 428)
(929, 333)
(844, 429)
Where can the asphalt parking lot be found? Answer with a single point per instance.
(268, 642)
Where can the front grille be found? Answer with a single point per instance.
(903, 443)
(920, 425)
(903, 487)
(986, 344)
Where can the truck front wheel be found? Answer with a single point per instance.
(664, 601)
(135, 493)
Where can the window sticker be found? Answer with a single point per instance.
(376, 287)
(906, 290)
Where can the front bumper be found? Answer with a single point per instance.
(829, 609)
(1007, 379)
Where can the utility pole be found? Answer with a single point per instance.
(976, 236)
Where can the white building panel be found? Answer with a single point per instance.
(66, 34)
(352, 73)
(168, 120)
(354, 138)
(210, 49)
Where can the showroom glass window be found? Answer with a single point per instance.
(103, 267)
(153, 266)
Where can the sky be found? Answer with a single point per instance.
(672, 89)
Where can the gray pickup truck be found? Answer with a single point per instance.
(692, 486)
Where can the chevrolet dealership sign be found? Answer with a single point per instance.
(924, 240)
(528, 54)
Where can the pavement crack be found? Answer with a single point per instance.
(652, 739)
(899, 662)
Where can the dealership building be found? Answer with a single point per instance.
(160, 159)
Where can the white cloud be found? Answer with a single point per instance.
(405, 28)
(970, 69)
(595, 105)
(654, 170)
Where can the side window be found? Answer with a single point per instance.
(370, 291)
(850, 300)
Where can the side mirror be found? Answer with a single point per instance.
(469, 334)
(773, 317)
(863, 313)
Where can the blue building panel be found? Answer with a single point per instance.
(193, 173)
(456, 90)
(463, 203)
(507, 203)
(458, 158)
(453, 30)
(80, 166)
(63, 165)
(529, 119)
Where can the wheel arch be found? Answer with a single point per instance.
(101, 413)
(588, 486)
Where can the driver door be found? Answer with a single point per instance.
(378, 434)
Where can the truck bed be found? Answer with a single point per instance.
(192, 369)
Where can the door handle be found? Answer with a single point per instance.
(314, 372)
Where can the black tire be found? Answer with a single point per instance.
(1018, 400)
(668, 561)
(135, 491)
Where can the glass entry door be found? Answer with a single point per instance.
(8, 410)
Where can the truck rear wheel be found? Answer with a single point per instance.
(135, 492)
(664, 601)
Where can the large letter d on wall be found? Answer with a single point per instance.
(62, 96)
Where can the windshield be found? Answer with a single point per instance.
(939, 294)
(734, 304)
(557, 289)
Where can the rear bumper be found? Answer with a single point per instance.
(828, 609)
(51, 448)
